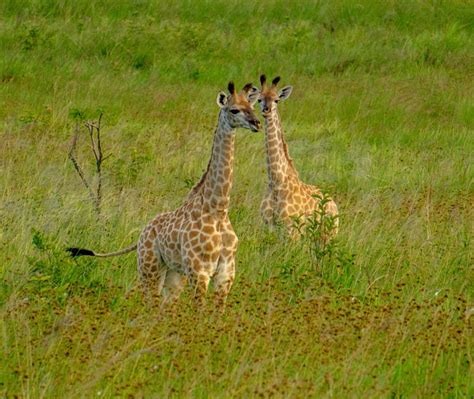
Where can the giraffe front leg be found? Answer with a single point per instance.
(173, 286)
(266, 210)
(223, 281)
(225, 274)
(199, 282)
(201, 259)
(294, 232)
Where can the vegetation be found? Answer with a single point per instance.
(381, 117)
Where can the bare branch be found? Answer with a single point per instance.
(99, 160)
(78, 168)
(99, 148)
(93, 129)
(90, 127)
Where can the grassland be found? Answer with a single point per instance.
(382, 116)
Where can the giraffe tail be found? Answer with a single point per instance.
(75, 252)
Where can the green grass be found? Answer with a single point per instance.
(382, 115)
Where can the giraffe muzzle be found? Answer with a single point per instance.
(255, 125)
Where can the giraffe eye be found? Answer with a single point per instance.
(234, 111)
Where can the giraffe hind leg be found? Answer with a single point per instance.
(152, 271)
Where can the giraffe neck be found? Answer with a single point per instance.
(216, 183)
(279, 163)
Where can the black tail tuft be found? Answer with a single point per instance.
(74, 252)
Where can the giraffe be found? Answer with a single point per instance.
(287, 197)
(196, 242)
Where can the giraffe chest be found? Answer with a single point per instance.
(193, 239)
(290, 200)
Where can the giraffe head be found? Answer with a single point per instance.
(269, 95)
(237, 108)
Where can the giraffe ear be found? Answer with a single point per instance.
(253, 95)
(221, 99)
(285, 92)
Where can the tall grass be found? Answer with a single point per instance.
(381, 117)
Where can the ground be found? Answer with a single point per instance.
(381, 117)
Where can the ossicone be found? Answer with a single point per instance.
(231, 87)
(247, 87)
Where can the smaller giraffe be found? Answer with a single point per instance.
(196, 242)
(287, 196)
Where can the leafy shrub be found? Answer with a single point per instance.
(326, 253)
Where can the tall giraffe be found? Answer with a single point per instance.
(196, 242)
(287, 196)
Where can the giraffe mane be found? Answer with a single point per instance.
(201, 181)
(287, 154)
(285, 145)
(285, 150)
